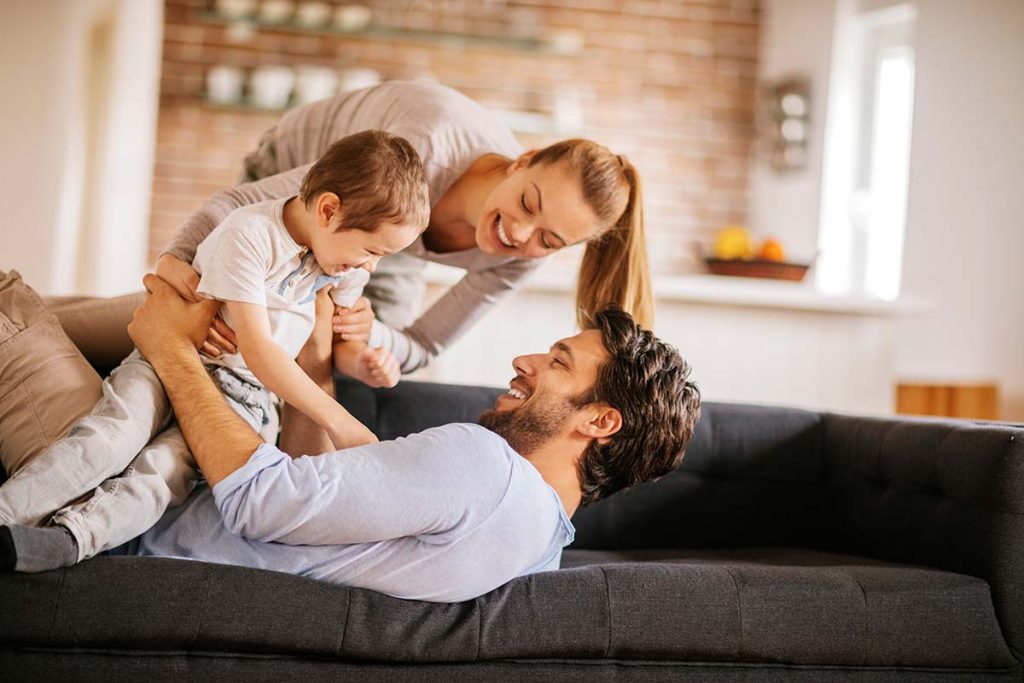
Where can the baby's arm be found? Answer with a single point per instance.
(282, 375)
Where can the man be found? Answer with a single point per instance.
(444, 515)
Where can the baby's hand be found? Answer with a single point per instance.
(377, 368)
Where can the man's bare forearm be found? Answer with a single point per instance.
(220, 440)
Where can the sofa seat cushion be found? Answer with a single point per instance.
(794, 605)
(787, 606)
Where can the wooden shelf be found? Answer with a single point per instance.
(451, 39)
(526, 122)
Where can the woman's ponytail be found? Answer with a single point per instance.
(614, 269)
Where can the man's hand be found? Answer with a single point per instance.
(166, 323)
(220, 338)
(354, 323)
(377, 368)
(179, 275)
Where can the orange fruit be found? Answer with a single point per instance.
(771, 250)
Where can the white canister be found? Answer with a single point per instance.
(276, 11)
(235, 9)
(352, 17)
(315, 83)
(271, 86)
(313, 13)
(224, 84)
(356, 78)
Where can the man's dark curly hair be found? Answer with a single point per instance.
(648, 382)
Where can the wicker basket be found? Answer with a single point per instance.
(772, 270)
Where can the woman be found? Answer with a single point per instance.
(495, 211)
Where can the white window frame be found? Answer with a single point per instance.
(866, 161)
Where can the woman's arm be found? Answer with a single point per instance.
(281, 375)
(453, 314)
(203, 220)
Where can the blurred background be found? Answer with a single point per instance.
(880, 143)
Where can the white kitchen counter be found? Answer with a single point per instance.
(724, 291)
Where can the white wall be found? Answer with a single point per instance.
(819, 360)
(78, 128)
(796, 40)
(965, 219)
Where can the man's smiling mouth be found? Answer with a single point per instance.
(517, 393)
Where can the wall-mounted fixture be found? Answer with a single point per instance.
(785, 124)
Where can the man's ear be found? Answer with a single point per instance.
(328, 209)
(521, 161)
(602, 422)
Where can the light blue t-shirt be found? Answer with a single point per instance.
(444, 515)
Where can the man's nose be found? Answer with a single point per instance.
(522, 365)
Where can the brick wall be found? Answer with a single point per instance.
(670, 83)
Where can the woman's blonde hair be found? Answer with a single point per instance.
(614, 269)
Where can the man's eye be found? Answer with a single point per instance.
(558, 362)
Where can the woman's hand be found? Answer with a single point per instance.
(354, 323)
(220, 338)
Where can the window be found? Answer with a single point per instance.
(867, 152)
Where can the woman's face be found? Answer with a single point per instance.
(535, 211)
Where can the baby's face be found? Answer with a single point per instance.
(339, 251)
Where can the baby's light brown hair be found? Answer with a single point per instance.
(378, 177)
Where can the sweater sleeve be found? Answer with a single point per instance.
(203, 220)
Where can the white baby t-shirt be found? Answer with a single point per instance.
(251, 258)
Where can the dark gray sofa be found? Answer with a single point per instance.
(789, 545)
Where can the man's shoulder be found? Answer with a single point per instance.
(464, 433)
(464, 448)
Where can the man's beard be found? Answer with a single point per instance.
(529, 426)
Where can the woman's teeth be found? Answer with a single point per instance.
(502, 236)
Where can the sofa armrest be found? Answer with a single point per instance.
(941, 493)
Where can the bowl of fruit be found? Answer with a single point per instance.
(736, 253)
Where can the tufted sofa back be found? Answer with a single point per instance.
(750, 478)
(941, 493)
